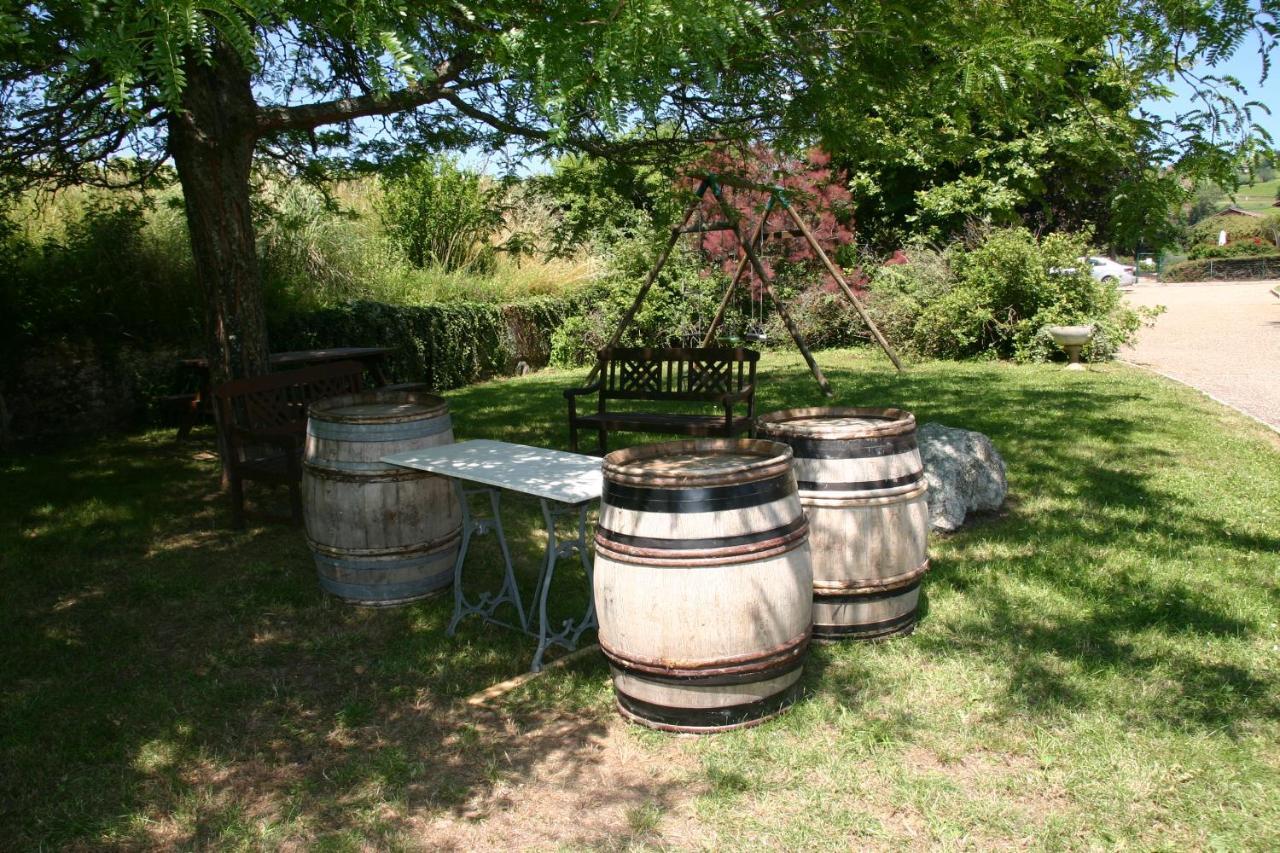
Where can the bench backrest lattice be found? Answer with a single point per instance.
(279, 401)
(650, 373)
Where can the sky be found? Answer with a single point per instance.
(1245, 65)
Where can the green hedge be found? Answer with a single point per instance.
(445, 345)
(1225, 269)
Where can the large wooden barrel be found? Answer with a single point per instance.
(862, 485)
(381, 534)
(702, 582)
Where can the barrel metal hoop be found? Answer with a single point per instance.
(673, 559)
(865, 596)
(862, 485)
(706, 720)
(903, 624)
(383, 474)
(778, 657)
(824, 588)
(387, 594)
(776, 670)
(709, 547)
(852, 448)
(818, 500)
(433, 548)
(372, 432)
(712, 499)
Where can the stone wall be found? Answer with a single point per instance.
(71, 388)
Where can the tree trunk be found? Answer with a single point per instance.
(212, 140)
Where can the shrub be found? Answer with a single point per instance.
(111, 270)
(677, 309)
(443, 345)
(1226, 269)
(1265, 227)
(1248, 247)
(441, 215)
(993, 296)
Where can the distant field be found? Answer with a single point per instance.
(1258, 197)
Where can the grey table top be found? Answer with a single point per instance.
(556, 475)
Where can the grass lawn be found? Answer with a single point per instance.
(1098, 666)
(1258, 197)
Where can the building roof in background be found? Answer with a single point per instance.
(1232, 210)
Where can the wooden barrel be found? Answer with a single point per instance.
(702, 582)
(862, 485)
(381, 534)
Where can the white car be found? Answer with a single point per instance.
(1107, 270)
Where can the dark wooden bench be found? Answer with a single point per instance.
(263, 426)
(725, 377)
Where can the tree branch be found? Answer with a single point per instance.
(310, 116)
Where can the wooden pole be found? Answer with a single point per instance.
(768, 286)
(652, 277)
(848, 291)
(737, 276)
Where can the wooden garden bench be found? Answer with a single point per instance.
(725, 377)
(263, 426)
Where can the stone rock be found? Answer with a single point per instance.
(964, 472)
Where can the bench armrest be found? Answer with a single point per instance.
(570, 393)
(286, 440)
(738, 396)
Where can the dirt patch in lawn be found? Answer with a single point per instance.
(589, 780)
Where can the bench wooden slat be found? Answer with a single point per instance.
(263, 421)
(721, 376)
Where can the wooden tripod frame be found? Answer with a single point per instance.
(731, 223)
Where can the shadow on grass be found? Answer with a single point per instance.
(171, 681)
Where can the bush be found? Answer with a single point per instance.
(1248, 247)
(677, 309)
(1265, 227)
(443, 345)
(1225, 269)
(993, 296)
(440, 215)
(112, 270)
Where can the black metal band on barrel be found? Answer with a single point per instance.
(610, 537)
(903, 624)
(776, 669)
(708, 718)
(710, 499)
(852, 448)
(872, 594)
(863, 485)
(774, 661)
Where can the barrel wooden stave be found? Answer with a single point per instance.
(381, 534)
(862, 486)
(381, 580)
(703, 583)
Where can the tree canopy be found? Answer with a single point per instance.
(212, 84)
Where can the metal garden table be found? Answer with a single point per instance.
(565, 484)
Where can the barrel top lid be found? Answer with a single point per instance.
(703, 462)
(374, 407)
(836, 422)
(364, 410)
(694, 462)
(840, 421)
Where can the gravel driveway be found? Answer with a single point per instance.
(1221, 338)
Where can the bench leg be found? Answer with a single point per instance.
(602, 441)
(295, 503)
(237, 500)
(573, 438)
